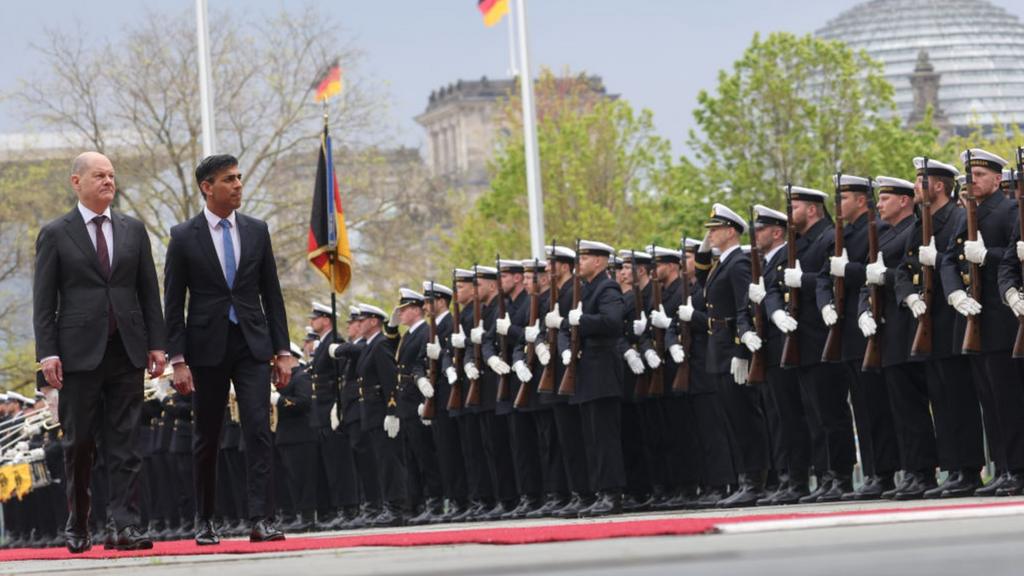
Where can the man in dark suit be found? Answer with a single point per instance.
(222, 263)
(98, 325)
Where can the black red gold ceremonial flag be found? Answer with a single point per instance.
(328, 249)
(328, 83)
(493, 10)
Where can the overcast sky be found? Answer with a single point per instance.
(657, 54)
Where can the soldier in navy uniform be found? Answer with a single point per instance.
(997, 376)
(954, 402)
(296, 440)
(907, 387)
(179, 411)
(876, 432)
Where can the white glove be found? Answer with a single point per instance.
(501, 325)
(451, 375)
(963, 303)
(926, 255)
(393, 319)
(575, 314)
(659, 319)
(794, 277)
(532, 332)
(566, 357)
(875, 272)
(498, 366)
(471, 371)
(705, 244)
(677, 353)
(739, 367)
(459, 339)
(653, 360)
(1020, 250)
(434, 349)
(867, 324)
(837, 264)
(916, 305)
(391, 425)
(335, 417)
(755, 292)
(419, 412)
(332, 350)
(829, 314)
(1014, 301)
(640, 326)
(783, 321)
(685, 310)
(553, 319)
(751, 340)
(426, 388)
(476, 335)
(274, 397)
(542, 352)
(975, 251)
(522, 372)
(633, 361)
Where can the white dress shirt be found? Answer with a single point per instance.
(108, 229)
(771, 253)
(218, 237)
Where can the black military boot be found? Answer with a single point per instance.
(576, 505)
(891, 493)
(871, 489)
(553, 503)
(606, 503)
(472, 511)
(390, 515)
(751, 489)
(367, 513)
(916, 486)
(526, 505)
(824, 484)
(709, 498)
(1013, 486)
(431, 508)
(636, 502)
(990, 489)
(952, 479)
(841, 484)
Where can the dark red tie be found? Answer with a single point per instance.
(104, 260)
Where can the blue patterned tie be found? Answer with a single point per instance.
(229, 263)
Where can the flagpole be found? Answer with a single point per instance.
(534, 194)
(513, 70)
(206, 96)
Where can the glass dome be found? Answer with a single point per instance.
(976, 47)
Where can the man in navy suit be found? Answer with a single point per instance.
(221, 262)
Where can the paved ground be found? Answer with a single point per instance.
(991, 546)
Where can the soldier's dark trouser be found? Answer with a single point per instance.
(658, 446)
(167, 502)
(824, 389)
(1006, 380)
(478, 474)
(994, 435)
(602, 434)
(182, 463)
(570, 440)
(955, 408)
(745, 423)
(525, 453)
(365, 460)
(792, 443)
(684, 462)
(423, 476)
(336, 462)
(498, 450)
(298, 460)
(638, 476)
(449, 456)
(876, 431)
(773, 421)
(715, 453)
(391, 473)
(551, 463)
(908, 395)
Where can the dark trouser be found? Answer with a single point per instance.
(745, 424)
(908, 395)
(498, 450)
(281, 497)
(602, 434)
(525, 453)
(876, 431)
(167, 503)
(225, 499)
(181, 463)
(1005, 377)
(550, 452)
(252, 382)
(657, 447)
(106, 401)
(298, 460)
(423, 477)
(391, 473)
(365, 462)
(713, 438)
(638, 477)
(478, 474)
(824, 389)
(679, 427)
(994, 435)
(335, 460)
(792, 444)
(449, 456)
(236, 465)
(958, 428)
(570, 440)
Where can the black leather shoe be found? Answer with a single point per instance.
(709, 498)
(952, 478)
(824, 484)
(206, 534)
(916, 487)
(872, 489)
(301, 523)
(77, 542)
(751, 490)
(769, 498)
(472, 510)
(636, 503)
(605, 504)
(389, 516)
(526, 505)
(367, 512)
(963, 486)
(1013, 486)
(263, 530)
(840, 485)
(904, 482)
(576, 505)
(795, 490)
(554, 503)
(131, 538)
(495, 513)
(990, 489)
(431, 509)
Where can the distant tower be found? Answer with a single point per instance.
(925, 83)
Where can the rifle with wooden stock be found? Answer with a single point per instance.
(922, 344)
(1018, 343)
(428, 403)
(833, 350)
(791, 345)
(657, 387)
(681, 382)
(758, 368)
(876, 303)
(972, 335)
(643, 381)
(568, 385)
(504, 391)
(455, 394)
(523, 395)
(547, 377)
(473, 394)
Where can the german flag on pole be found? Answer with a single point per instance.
(328, 82)
(493, 10)
(328, 249)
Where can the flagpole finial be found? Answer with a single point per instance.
(325, 113)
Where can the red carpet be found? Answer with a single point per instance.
(673, 526)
